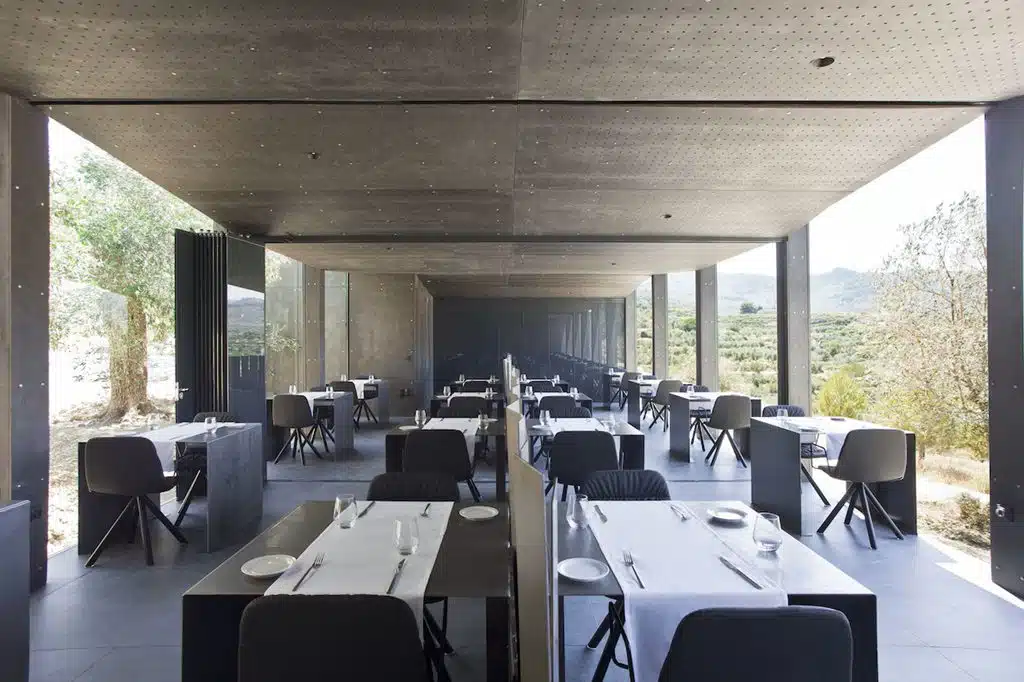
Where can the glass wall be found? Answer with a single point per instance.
(335, 325)
(682, 327)
(644, 328)
(284, 323)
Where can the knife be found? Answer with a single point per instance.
(739, 571)
(368, 507)
(600, 513)
(394, 578)
(683, 516)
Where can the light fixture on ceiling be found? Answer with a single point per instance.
(822, 62)
(314, 155)
(667, 216)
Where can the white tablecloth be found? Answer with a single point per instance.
(312, 396)
(467, 426)
(165, 438)
(679, 564)
(831, 431)
(362, 559)
(540, 396)
(361, 384)
(573, 424)
(467, 395)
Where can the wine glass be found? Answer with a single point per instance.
(576, 514)
(210, 421)
(343, 377)
(782, 413)
(345, 510)
(420, 418)
(462, 378)
(407, 535)
(330, 391)
(293, 389)
(767, 532)
(447, 391)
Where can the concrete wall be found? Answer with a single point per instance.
(382, 334)
(424, 346)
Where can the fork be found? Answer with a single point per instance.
(318, 561)
(627, 559)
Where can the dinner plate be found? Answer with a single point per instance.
(582, 570)
(727, 516)
(410, 427)
(478, 513)
(269, 566)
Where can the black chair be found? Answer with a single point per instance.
(868, 456)
(292, 412)
(624, 387)
(561, 403)
(475, 386)
(370, 392)
(441, 451)
(324, 416)
(544, 386)
(332, 637)
(659, 403)
(575, 412)
(362, 408)
(130, 467)
(615, 382)
(190, 467)
(466, 406)
(699, 417)
(809, 451)
(575, 455)
(768, 635)
(730, 412)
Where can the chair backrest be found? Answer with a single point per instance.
(872, 455)
(342, 386)
(329, 637)
(575, 455)
(318, 387)
(664, 388)
(626, 485)
(575, 412)
(628, 376)
(219, 416)
(730, 412)
(442, 451)
(123, 465)
(475, 386)
(791, 410)
(559, 403)
(768, 635)
(292, 411)
(404, 486)
(544, 386)
(700, 388)
(467, 406)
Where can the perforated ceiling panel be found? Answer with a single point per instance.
(269, 49)
(899, 50)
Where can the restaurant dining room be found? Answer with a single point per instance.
(418, 342)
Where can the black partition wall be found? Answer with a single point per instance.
(472, 335)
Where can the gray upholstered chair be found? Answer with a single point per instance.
(811, 451)
(868, 456)
(129, 466)
(575, 455)
(290, 411)
(442, 451)
(659, 403)
(475, 386)
(556, 403)
(467, 406)
(624, 387)
(729, 413)
(544, 386)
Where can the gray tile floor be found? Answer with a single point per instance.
(120, 621)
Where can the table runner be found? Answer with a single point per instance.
(448, 398)
(679, 564)
(312, 397)
(539, 396)
(574, 424)
(834, 431)
(165, 438)
(468, 426)
(362, 559)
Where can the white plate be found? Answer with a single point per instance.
(478, 513)
(269, 566)
(410, 427)
(582, 570)
(727, 516)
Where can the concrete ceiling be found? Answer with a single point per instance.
(532, 286)
(705, 124)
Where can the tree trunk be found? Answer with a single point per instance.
(129, 376)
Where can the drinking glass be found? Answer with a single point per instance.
(767, 532)
(343, 377)
(330, 392)
(462, 378)
(407, 535)
(293, 389)
(576, 514)
(447, 391)
(557, 378)
(345, 510)
(369, 377)
(210, 421)
(574, 392)
(782, 413)
(421, 418)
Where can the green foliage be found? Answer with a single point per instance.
(748, 308)
(841, 396)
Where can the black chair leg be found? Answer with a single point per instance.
(601, 631)
(438, 632)
(308, 440)
(810, 479)
(372, 416)
(473, 490)
(147, 542)
(867, 516)
(551, 484)
(187, 501)
(565, 492)
(287, 446)
(106, 538)
(885, 515)
(853, 504)
(835, 510)
(735, 448)
(448, 649)
(159, 516)
(712, 455)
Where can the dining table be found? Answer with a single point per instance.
(339, 404)
(532, 400)
(495, 401)
(680, 564)
(630, 440)
(473, 560)
(683, 403)
(608, 385)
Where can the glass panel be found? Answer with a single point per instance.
(747, 332)
(284, 323)
(682, 327)
(335, 324)
(644, 328)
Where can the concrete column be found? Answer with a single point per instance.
(611, 334)
(24, 319)
(659, 311)
(630, 345)
(707, 327)
(588, 334)
(1004, 161)
(313, 325)
(793, 288)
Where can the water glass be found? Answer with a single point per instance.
(447, 391)
(576, 514)
(345, 510)
(420, 418)
(344, 377)
(574, 392)
(210, 421)
(767, 532)
(407, 535)
(330, 391)
(557, 378)
(293, 389)
(462, 378)
(782, 413)
(369, 377)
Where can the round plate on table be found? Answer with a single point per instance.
(478, 513)
(727, 516)
(269, 566)
(582, 570)
(838, 419)
(410, 427)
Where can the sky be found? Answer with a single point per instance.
(859, 230)
(856, 232)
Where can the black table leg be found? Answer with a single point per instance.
(561, 639)
(500, 467)
(497, 639)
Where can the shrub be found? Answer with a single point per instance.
(842, 396)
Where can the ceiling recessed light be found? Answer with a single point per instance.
(822, 62)
(314, 155)
(667, 216)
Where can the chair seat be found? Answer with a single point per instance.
(812, 451)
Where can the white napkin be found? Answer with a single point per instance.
(165, 438)
(468, 426)
(679, 564)
(362, 559)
